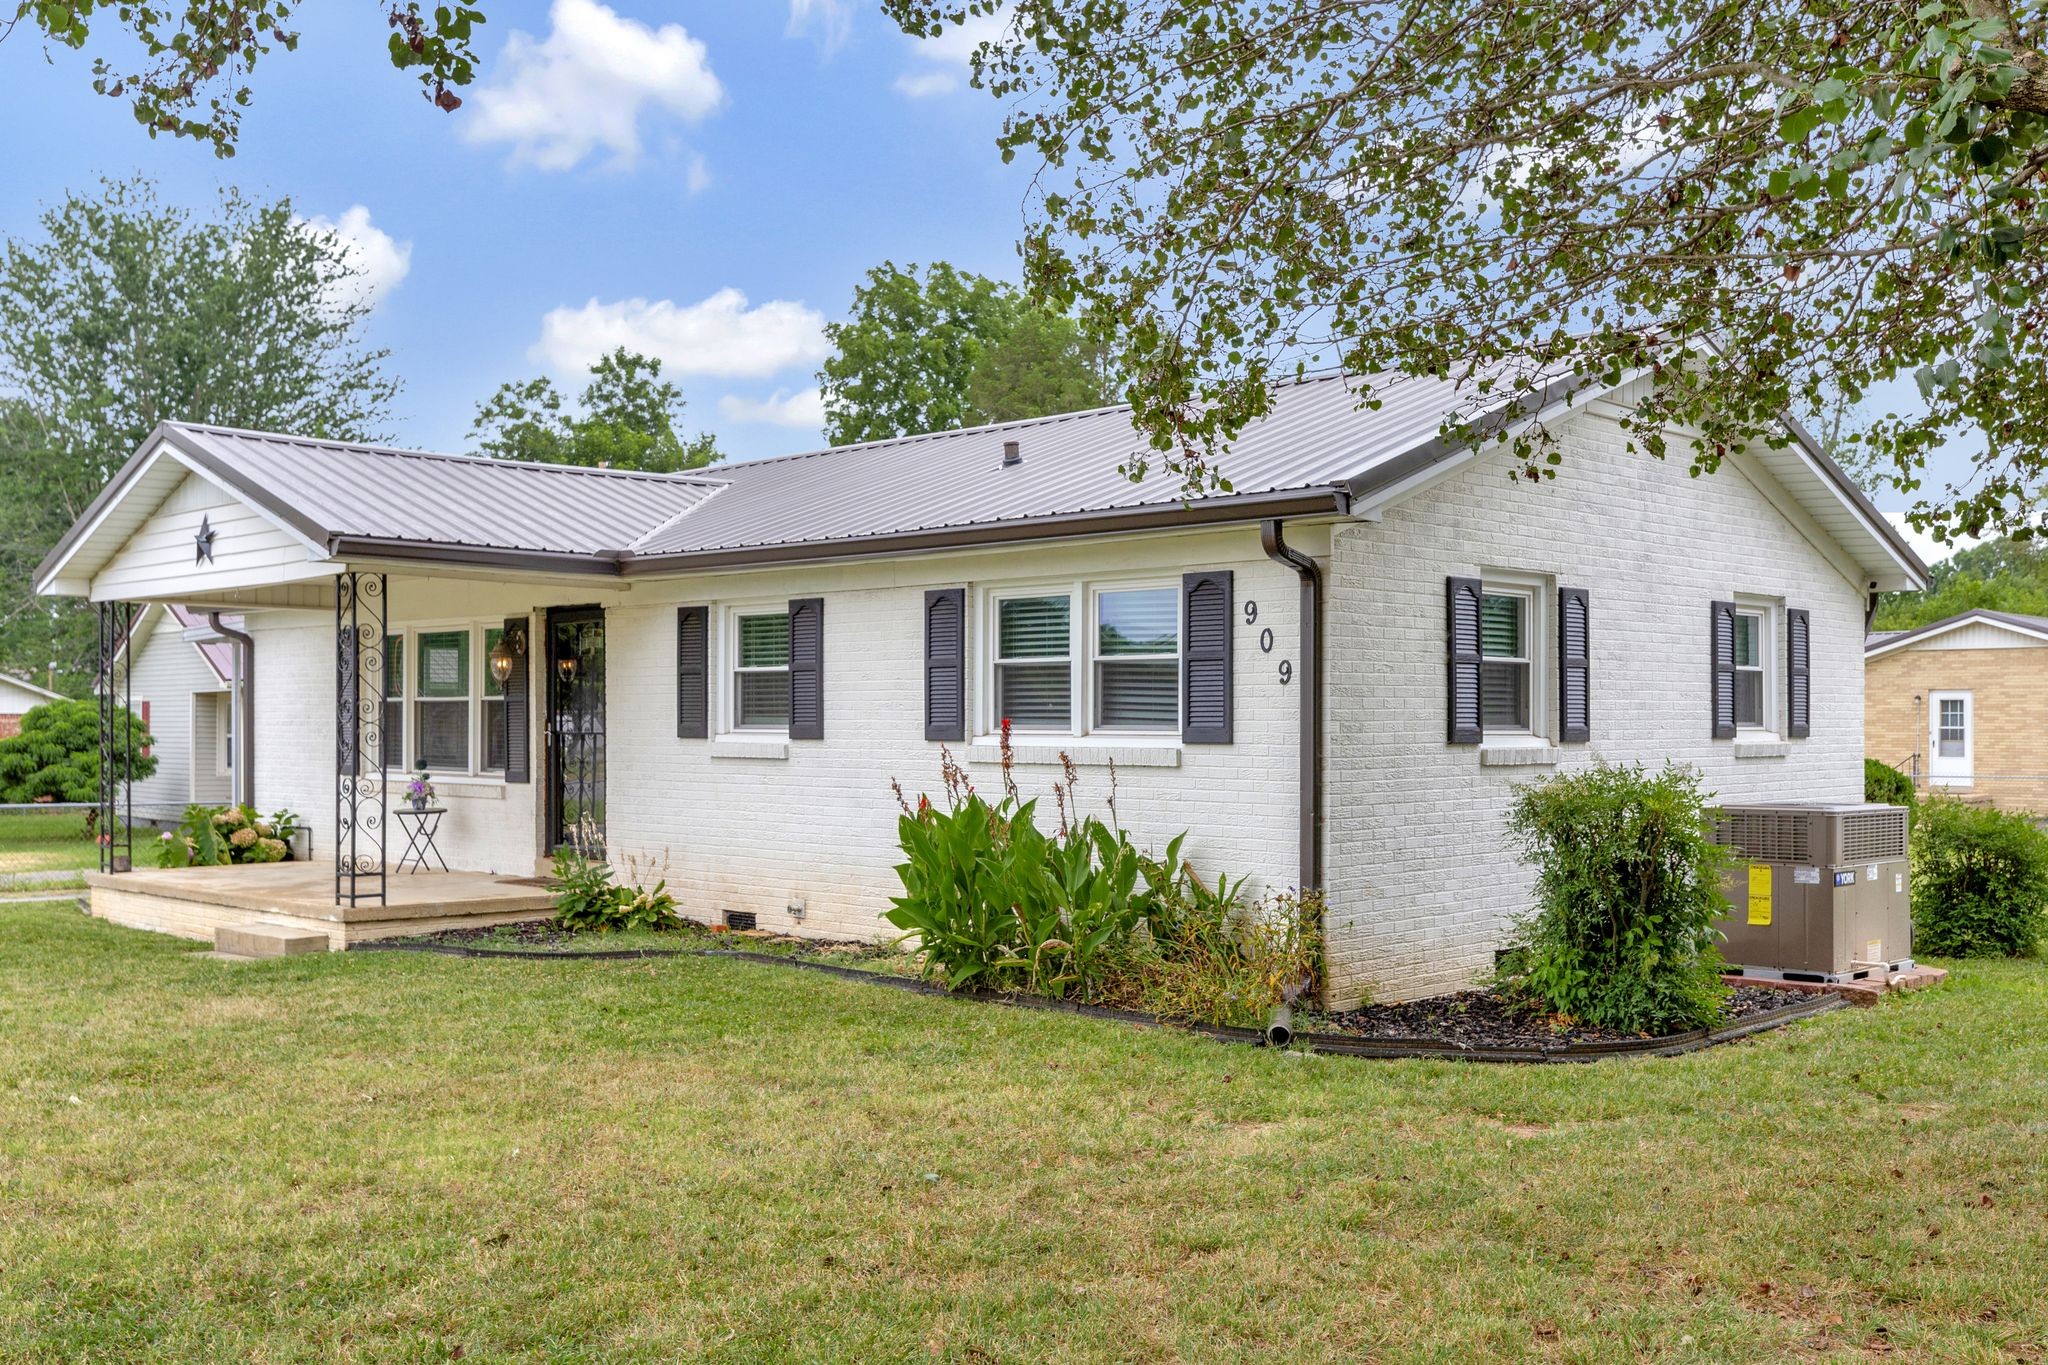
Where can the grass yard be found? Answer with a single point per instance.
(46, 841)
(387, 1156)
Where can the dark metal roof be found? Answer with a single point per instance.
(1315, 437)
(335, 491)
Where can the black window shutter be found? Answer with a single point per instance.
(693, 673)
(1721, 652)
(1574, 667)
(1205, 684)
(1798, 674)
(945, 663)
(807, 668)
(1461, 635)
(518, 689)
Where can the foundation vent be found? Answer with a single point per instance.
(739, 919)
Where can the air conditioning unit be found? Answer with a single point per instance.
(1820, 891)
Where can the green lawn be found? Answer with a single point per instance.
(45, 841)
(387, 1156)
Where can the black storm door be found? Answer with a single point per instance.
(576, 729)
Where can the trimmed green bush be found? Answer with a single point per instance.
(1627, 892)
(1884, 785)
(56, 757)
(1980, 881)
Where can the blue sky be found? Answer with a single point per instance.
(704, 181)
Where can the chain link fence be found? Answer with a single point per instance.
(54, 844)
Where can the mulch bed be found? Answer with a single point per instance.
(1482, 1019)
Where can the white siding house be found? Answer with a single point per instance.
(18, 697)
(724, 671)
(179, 690)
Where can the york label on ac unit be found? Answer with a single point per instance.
(1845, 878)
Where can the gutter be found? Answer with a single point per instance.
(1310, 761)
(242, 705)
(1327, 501)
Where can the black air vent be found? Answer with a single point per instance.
(739, 919)
(1013, 454)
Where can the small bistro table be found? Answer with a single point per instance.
(419, 824)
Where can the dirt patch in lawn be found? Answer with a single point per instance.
(1484, 1019)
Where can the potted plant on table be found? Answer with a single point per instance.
(420, 791)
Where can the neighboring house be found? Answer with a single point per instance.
(1962, 705)
(18, 697)
(1333, 675)
(180, 689)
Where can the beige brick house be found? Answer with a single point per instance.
(1962, 705)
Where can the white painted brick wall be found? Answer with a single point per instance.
(753, 834)
(1421, 879)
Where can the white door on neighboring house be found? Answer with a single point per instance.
(1951, 738)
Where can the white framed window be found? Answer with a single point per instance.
(1137, 659)
(224, 730)
(1516, 660)
(1756, 658)
(1951, 739)
(442, 706)
(1034, 652)
(759, 649)
(1506, 659)
(1083, 658)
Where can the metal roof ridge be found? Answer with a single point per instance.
(691, 477)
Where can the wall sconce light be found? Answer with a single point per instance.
(506, 654)
(567, 665)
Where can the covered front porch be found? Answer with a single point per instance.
(199, 902)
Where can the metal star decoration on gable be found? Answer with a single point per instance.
(204, 540)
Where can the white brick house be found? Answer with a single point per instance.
(726, 669)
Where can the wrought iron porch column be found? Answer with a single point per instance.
(359, 787)
(116, 816)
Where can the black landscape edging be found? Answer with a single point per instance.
(1330, 1044)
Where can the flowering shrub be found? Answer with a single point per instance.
(991, 900)
(587, 898)
(213, 836)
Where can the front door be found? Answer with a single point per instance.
(1952, 738)
(575, 663)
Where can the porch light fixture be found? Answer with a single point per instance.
(505, 656)
(567, 664)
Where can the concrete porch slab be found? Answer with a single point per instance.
(196, 902)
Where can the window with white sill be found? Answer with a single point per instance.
(1085, 659)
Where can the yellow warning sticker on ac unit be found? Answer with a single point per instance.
(1760, 893)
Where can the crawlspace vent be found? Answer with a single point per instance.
(1765, 836)
(739, 919)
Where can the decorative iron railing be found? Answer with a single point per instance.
(359, 787)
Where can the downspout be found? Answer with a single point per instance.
(1310, 759)
(241, 704)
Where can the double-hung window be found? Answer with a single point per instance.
(493, 706)
(441, 707)
(1506, 665)
(394, 702)
(1137, 659)
(1034, 662)
(1091, 658)
(1752, 668)
(760, 682)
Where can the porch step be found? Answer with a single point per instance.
(256, 939)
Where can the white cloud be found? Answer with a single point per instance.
(941, 63)
(925, 84)
(783, 408)
(584, 88)
(376, 261)
(828, 21)
(718, 336)
(698, 178)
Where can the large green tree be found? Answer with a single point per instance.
(948, 348)
(183, 67)
(122, 311)
(629, 418)
(1810, 199)
(2000, 575)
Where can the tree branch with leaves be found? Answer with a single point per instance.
(1767, 205)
